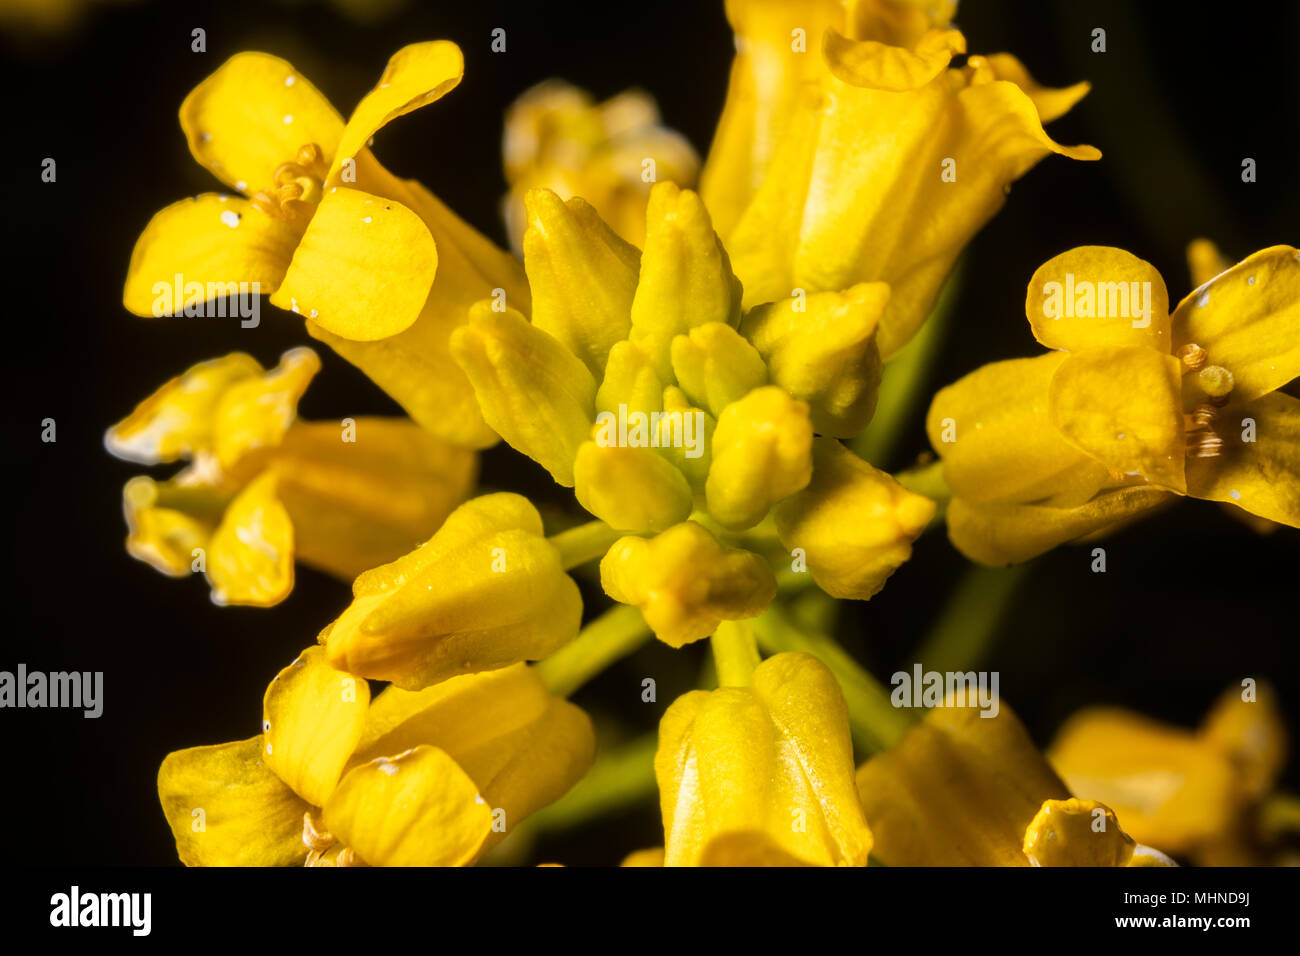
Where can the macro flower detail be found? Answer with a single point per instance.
(264, 488)
(798, 200)
(761, 774)
(557, 138)
(1206, 793)
(962, 788)
(336, 778)
(641, 383)
(486, 591)
(1134, 406)
(327, 231)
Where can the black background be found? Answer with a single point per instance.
(1192, 600)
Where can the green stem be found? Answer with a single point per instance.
(904, 377)
(928, 480)
(876, 724)
(962, 636)
(735, 653)
(619, 778)
(610, 637)
(583, 543)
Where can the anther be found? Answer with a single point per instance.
(314, 835)
(1192, 356)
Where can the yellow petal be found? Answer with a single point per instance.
(1123, 406)
(533, 391)
(1169, 788)
(364, 267)
(415, 367)
(176, 420)
(685, 582)
(417, 808)
(416, 76)
(1095, 296)
(485, 592)
(685, 279)
(958, 790)
(582, 275)
(773, 759)
(995, 435)
(882, 66)
(312, 717)
(1257, 475)
(690, 454)
(715, 366)
(823, 351)
(855, 525)
(169, 522)
(250, 558)
(651, 856)
(629, 380)
(253, 114)
(362, 493)
(198, 250)
(762, 454)
(1076, 833)
(1247, 320)
(1052, 103)
(630, 488)
(225, 808)
(1002, 534)
(255, 412)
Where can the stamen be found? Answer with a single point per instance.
(1217, 382)
(1192, 356)
(314, 835)
(297, 186)
(1204, 445)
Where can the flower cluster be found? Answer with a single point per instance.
(698, 367)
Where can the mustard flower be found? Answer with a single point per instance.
(1133, 407)
(264, 488)
(325, 229)
(433, 778)
(1205, 793)
(965, 789)
(850, 150)
(608, 153)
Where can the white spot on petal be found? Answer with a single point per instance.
(365, 218)
(241, 185)
(230, 218)
(1236, 495)
(288, 81)
(288, 118)
(1250, 281)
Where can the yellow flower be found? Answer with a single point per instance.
(965, 789)
(1134, 406)
(608, 153)
(849, 151)
(488, 590)
(433, 778)
(328, 231)
(671, 411)
(1187, 792)
(264, 487)
(761, 775)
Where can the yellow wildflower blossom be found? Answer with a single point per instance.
(761, 774)
(850, 150)
(963, 788)
(1134, 406)
(1200, 793)
(673, 412)
(377, 266)
(433, 778)
(488, 590)
(264, 487)
(608, 153)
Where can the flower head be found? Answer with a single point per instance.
(1134, 405)
(263, 487)
(406, 779)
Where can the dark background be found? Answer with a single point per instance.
(1192, 600)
